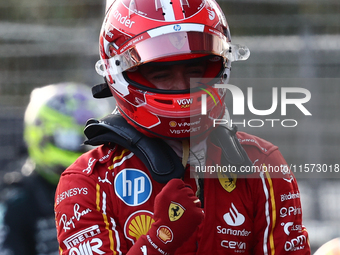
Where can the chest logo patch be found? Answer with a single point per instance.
(138, 224)
(133, 186)
(233, 217)
(165, 234)
(228, 181)
(175, 211)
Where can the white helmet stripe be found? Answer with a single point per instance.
(168, 10)
(171, 29)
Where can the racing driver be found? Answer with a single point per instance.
(145, 188)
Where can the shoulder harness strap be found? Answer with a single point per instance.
(233, 153)
(160, 159)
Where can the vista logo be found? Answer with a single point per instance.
(233, 217)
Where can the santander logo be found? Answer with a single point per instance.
(233, 217)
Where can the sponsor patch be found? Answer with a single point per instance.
(291, 210)
(138, 224)
(175, 211)
(290, 196)
(89, 247)
(133, 186)
(233, 217)
(227, 182)
(69, 222)
(290, 226)
(237, 246)
(232, 232)
(287, 175)
(165, 234)
(184, 103)
(172, 123)
(90, 163)
(104, 180)
(296, 244)
(70, 193)
(81, 236)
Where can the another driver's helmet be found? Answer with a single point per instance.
(136, 32)
(53, 125)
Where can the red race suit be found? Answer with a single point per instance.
(104, 202)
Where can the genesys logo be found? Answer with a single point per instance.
(233, 217)
(70, 193)
(133, 186)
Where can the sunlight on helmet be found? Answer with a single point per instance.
(143, 32)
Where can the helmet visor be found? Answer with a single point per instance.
(147, 48)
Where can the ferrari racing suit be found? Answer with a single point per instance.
(104, 202)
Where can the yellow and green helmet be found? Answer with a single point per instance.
(54, 122)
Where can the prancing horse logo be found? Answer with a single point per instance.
(175, 211)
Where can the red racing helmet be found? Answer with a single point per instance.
(136, 32)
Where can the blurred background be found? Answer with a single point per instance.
(293, 43)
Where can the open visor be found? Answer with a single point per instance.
(148, 48)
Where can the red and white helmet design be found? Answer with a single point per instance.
(136, 32)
